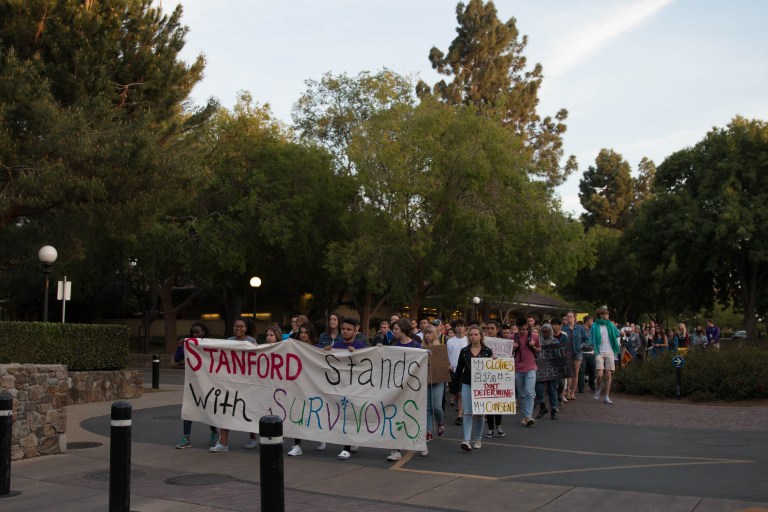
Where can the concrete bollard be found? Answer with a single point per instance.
(6, 433)
(120, 458)
(271, 464)
(155, 371)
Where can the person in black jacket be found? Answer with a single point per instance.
(472, 424)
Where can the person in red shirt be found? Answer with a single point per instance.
(526, 346)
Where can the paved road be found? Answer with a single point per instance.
(659, 447)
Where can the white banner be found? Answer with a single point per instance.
(493, 385)
(373, 397)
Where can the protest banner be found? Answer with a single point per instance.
(554, 362)
(500, 347)
(439, 367)
(493, 385)
(373, 397)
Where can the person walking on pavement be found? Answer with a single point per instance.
(605, 338)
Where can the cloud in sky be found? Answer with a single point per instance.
(578, 45)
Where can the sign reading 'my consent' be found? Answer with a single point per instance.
(493, 385)
(370, 397)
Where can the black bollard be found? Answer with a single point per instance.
(271, 462)
(120, 458)
(6, 432)
(679, 379)
(155, 371)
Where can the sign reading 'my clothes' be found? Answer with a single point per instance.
(373, 397)
(493, 385)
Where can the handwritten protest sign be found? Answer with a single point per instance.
(371, 397)
(493, 385)
(500, 347)
(554, 362)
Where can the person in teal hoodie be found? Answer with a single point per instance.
(605, 338)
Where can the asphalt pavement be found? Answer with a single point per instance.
(634, 455)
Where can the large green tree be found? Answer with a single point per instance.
(488, 69)
(457, 204)
(606, 192)
(709, 209)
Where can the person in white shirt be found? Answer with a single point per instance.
(454, 346)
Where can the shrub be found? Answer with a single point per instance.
(740, 373)
(79, 346)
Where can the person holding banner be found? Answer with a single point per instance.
(493, 420)
(240, 331)
(308, 335)
(548, 340)
(198, 330)
(526, 346)
(349, 342)
(404, 338)
(472, 423)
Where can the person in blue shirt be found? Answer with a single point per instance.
(713, 334)
(577, 336)
(332, 331)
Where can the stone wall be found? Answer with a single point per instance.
(41, 393)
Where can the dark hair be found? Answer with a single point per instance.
(311, 331)
(493, 322)
(586, 318)
(521, 322)
(458, 321)
(405, 326)
(556, 321)
(351, 321)
(202, 327)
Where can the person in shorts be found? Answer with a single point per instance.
(605, 338)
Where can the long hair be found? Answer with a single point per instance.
(311, 331)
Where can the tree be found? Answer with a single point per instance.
(606, 192)
(332, 107)
(458, 206)
(489, 71)
(91, 101)
(709, 208)
(646, 172)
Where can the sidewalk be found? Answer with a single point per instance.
(78, 480)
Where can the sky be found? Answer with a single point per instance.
(645, 78)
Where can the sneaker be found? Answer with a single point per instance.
(344, 455)
(596, 396)
(440, 430)
(320, 447)
(295, 451)
(424, 452)
(394, 455)
(565, 400)
(500, 433)
(477, 444)
(353, 449)
(466, 446)
(607, 401)
(524, 421)
(530, 422)
(184, 443)
(214, 439)
(554, 415)
(489, 434)
(429, 436)
(542, 412)
(251, 444)
(458, 420)
(219, 448)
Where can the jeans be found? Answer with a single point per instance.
(551, 389)
(188, 428)
(473, 423)
(435, 394)
(588, 370)
(525, 387)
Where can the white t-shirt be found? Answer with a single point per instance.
(605, 341)
(454, 346)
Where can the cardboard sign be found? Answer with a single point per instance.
(554, 362)
(439, 367)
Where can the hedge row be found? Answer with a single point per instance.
(79, 346)
(724, 375)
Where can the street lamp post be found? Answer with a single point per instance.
(476, 301)
(255, 283)
(47, 257)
